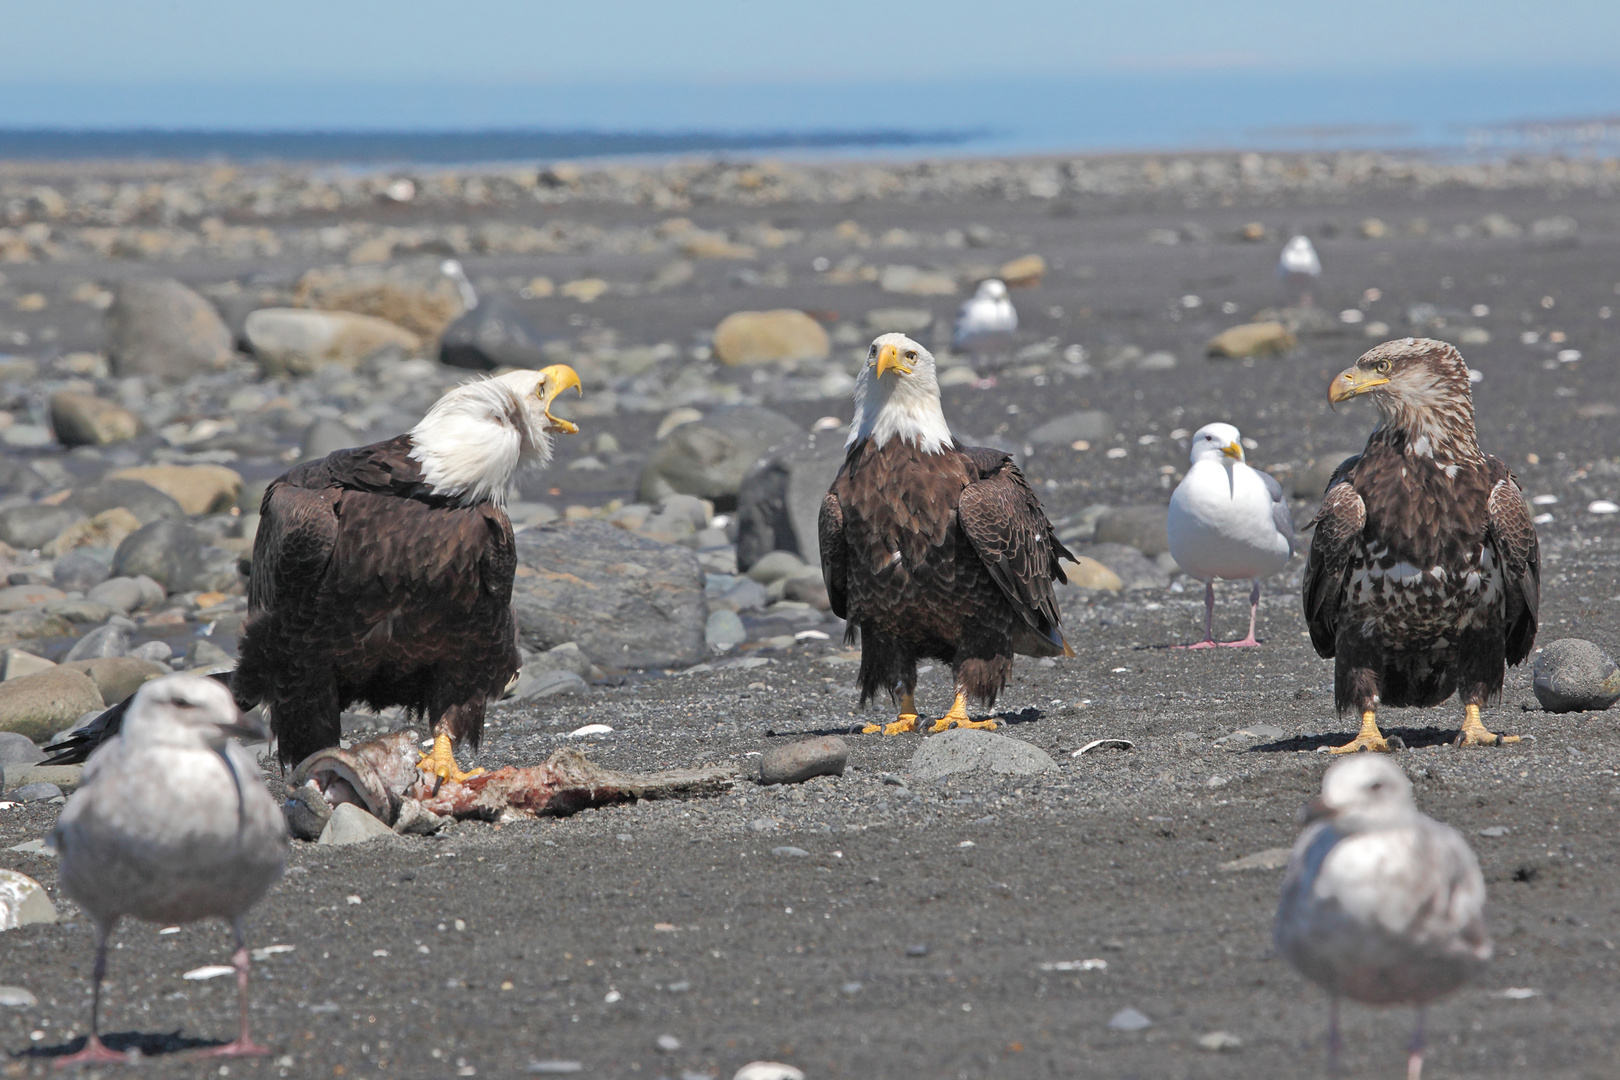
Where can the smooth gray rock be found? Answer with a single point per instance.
(965, 750)
(18, 751)
(565, 657)
(84, 612)
(324, 436)
(168, 551)
(23, 901)
(34, 526)
(1310, 479)
(777, 566)
(492, 335)
(101, 642)
(1574, 675)
(351, 825)
(65, 778)
(157, 326)
(157, 652)
(128, 594)
(39, 791)
(1135, 569)
(745, 595)
(41, 705)
(626, 601)
(796, 762)
(78, 572)
(1128, 1019)
(533, 685)
(17, 477)
(710, 457)
(1092, 425)
(724, 629)
(779, 500)
(23, 597)
(206, 655)
(146, 502)
(1141, 527)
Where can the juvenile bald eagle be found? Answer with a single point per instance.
(384, 574)
(1424, 575)
(931, 549)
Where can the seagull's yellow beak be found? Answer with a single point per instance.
(553, 381)
(1351, 382)
(889, 357)
(1233, 450)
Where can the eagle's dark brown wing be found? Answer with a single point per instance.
(384, 468)
(1520, 552)
(834, 554)
(1004, 521)
(1338, 525)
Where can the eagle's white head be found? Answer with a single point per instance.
(897, 397)
(1217, 442)
(476, 437)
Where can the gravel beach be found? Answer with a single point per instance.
(927, 916)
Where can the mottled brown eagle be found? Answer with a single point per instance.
(384, 574)
(1424, 574)
(931, 549)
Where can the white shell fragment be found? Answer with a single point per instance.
(210, 971)
(590, 729)
(1105, 744)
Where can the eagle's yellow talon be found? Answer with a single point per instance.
(958, 716)
(1369, 738)
(441, 762)
(903, 723)
(1474, 733)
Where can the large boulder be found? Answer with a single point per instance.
(117, 677)
(168, 551)
(140, 498)
(782, 336)
(106, 530)
(1575, 675)
(1141, 527)
(1252, 339)
(969, 750)
(157, 326)
(627, 601)
(492, 335)
(414, 294)
(1133, 569)
(779, 500)
(199, 489)
(709, 457)
(39, 706)
(296, 341)
(86, 420)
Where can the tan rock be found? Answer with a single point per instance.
(916, 282)
(1253, 232)
(39, 706)
(1373, 229)
(298, 342)
(781, 336)
(23, 901)
(199, 489)
(22, 597)
(699, 244)
(86, 420)
(106, 529)
(33, 623)
(1088, 573)
(415, 295)
(1024, 271)
(1252, 339)
(15, 663)
(66, 777)
(116, 677)
(585, 290)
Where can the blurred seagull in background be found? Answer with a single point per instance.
(987, 321)
(1228, 520)
(1380, 903)
(451, 268)
(1298, 268)
(172, 824)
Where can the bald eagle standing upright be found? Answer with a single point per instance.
(384, 574)
(931, 549)
(1424, 575)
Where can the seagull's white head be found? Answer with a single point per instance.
(1362, 791)
(992, 289)
(1299, 257)
(475, 438)
(1217, 442)
(451, 268)
(897, 397)
(189, 711)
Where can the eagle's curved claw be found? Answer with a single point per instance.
(1473, 732)
(441, 762)
(1368, 738)
(903, 723)
(958, 717)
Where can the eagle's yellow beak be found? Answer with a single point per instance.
(553, 381)
(1350, 382)
(1233, 450)
(889, 357)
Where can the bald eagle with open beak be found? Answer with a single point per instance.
(1424, 575)
(384, 574)
(931, 549)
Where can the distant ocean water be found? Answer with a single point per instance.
(1457, 113)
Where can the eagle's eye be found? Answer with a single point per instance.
(911, 354)
(1383, 367)
(872, 351)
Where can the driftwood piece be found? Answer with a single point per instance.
(380, 775)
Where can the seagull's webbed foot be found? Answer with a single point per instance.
(1249, 642)
(1207, 643)
(1474, 734)
(906, 721)
(441, 762)
(95, 1052)
(958, 717)
(1369, 738)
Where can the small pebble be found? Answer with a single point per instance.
(668, 1044)
(790, 853)
(1128, 1019)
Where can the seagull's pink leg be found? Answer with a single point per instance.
(243, 1045)
(1414, 1060)
(1254, 612)
(95, 1052)
(1209, 619)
